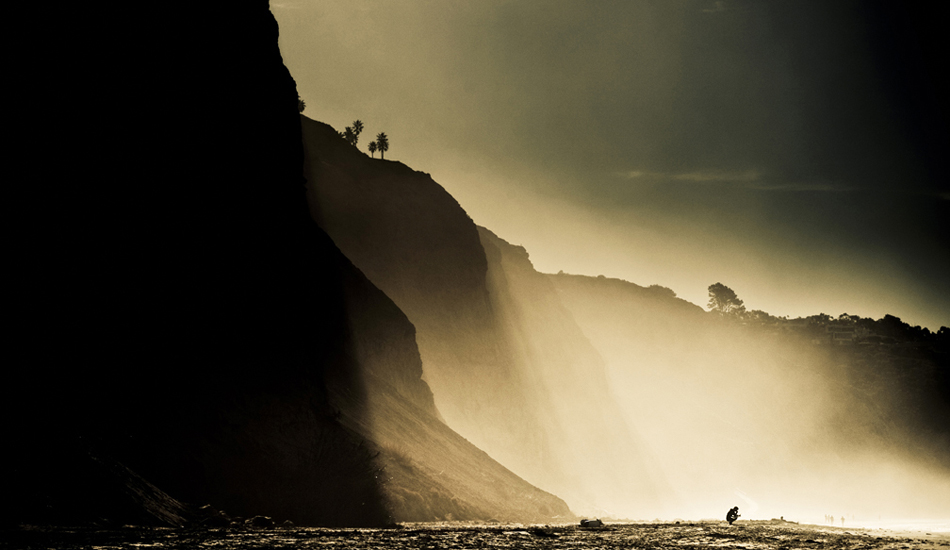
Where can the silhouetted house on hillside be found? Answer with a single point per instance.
(838, 335)
(841, 335)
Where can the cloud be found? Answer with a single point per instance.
(699, 176)
(749, 179)
(802, 186)
(634, 174)
(718, 175)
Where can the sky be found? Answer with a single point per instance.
(789, 150)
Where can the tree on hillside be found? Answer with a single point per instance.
(849, 319)
(662, 291)
(758, 316)
(723, 300)
(350, 136)
(352, 133)
(382, 144)
(820, 319)
(372, 148)
(300, 104)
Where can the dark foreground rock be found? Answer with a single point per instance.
(179, 316)
(185, 334)
(447, 535)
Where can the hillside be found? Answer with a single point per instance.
(771, 408)
(187, 335)
(567, 380)
(184, 334)
(482, 346)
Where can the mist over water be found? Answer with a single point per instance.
(924, 525)
(734, 416)
(660, 142)
(625, 401)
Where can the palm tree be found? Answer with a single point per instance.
(382, 143)
(357, 127)
(350, 136)
(372, 148)
(300, 104)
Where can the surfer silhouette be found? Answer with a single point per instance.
(732, 514)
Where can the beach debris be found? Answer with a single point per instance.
(591, 523)
(259, 522)
(545, 531)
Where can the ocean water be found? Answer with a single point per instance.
(923, 525)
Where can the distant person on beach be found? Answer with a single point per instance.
(842, 521)
(732, 514)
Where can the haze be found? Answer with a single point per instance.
(749, 415)
(786, 150)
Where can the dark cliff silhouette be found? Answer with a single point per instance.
(186, 334)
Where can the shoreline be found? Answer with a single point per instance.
(742, 534)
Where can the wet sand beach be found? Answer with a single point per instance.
(684, 535)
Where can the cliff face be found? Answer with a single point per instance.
(508, 368)
(183, 320)
(625, 321)
(403, 231)
(414, 241)
(598, 461)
